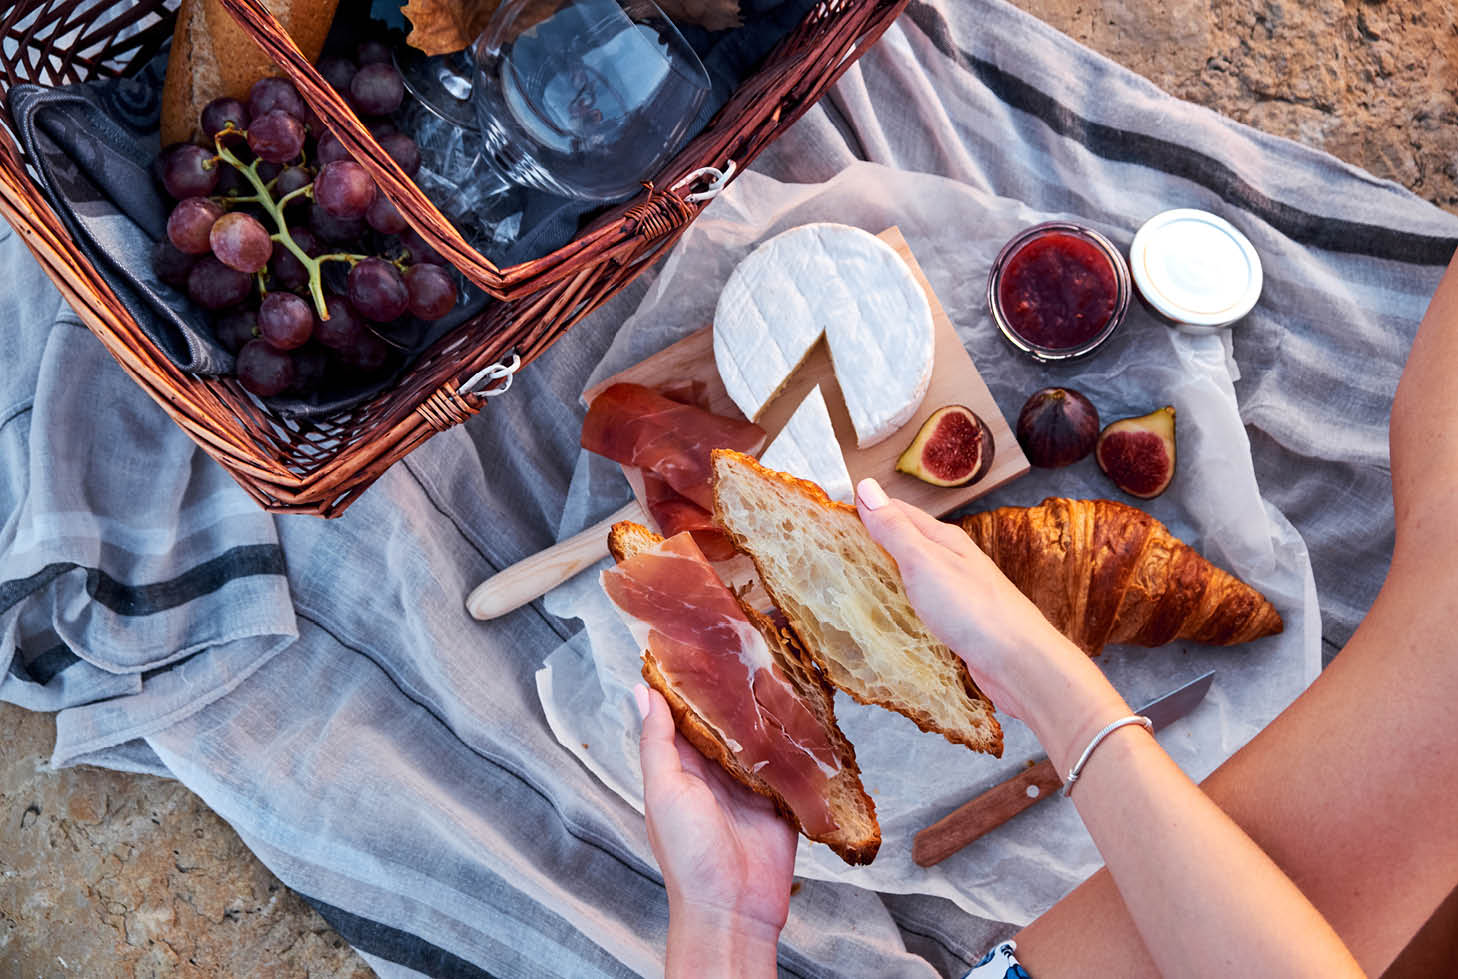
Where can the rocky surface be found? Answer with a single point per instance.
(104, 874)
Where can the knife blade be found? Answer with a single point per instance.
(1003, 801)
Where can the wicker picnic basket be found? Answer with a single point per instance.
(321, 465)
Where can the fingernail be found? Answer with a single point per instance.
(871, 495)
(640, 700)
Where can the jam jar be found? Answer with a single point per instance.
(1058, 291)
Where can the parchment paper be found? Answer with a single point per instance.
(1020, 869)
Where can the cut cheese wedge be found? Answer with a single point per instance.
(845, 284)
(806, 447)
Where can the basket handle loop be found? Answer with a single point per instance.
(719, 179)
(505, 373)
(449, 405)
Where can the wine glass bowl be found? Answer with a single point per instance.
(582, 99)
(588, 101)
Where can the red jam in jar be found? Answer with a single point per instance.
(1058, 290)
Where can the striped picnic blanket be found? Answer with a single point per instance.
(320, 685)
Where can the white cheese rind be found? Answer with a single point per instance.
(807, 448)
(845, 283)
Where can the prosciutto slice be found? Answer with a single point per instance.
(675, 514)
(637, 426)
(714, 657)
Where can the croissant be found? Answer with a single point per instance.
(1103, 572)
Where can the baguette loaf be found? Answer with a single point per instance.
(212, 56)
(858, 835)
(842, 594)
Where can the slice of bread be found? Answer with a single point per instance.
(858, 835)
(842, 594)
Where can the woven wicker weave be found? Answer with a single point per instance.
(321, 465)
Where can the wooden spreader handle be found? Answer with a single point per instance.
(511, 588)
(989, 810)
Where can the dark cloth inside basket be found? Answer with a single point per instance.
(93, 146)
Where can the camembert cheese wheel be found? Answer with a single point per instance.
(852, 287)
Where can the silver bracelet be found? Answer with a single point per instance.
(1077, 768)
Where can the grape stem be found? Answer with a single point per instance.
(264, 198)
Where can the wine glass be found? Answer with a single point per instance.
(584, 99)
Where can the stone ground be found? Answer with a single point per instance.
(105, 874)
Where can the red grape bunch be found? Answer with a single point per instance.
(274, 199)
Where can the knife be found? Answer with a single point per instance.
(1002, 802)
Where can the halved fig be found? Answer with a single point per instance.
(952, 448)
(1057, 427)
(1138, 454)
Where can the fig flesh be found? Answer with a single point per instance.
(1057, 427)
(952, 448)
(1138, 454)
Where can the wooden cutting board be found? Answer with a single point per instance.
(954, 381)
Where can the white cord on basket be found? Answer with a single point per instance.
(718, 179)
(496, 372)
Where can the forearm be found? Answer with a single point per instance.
(716, 944)
(1205, 897)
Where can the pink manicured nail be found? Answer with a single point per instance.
(871, 495)
(640, 699)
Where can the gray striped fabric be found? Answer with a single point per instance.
(320, 685)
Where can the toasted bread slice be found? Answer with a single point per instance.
(842, 594)
(858, 835)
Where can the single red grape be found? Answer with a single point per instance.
(269, 94)
(337, 72)
(218, 114)
(264, 369)
(418, 249)
(402, 150)
(285, 270)
(236, 328)
(190, 171)
(240, 242)
(212, 285)
(291, 179)
(276, 136)
(344, 189)
(373, 53)
(343, 327)
(384, 217)
(330, 149)
(171, 264)
(306, 241)
(333, 229)
(376, 89)
(368, 353)
(285, 320)
(311, 363)
(190, 223)
(432, 291)
(376, 290)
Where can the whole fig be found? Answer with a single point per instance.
(1057, 427)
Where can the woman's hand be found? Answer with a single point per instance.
(727, 856)
(965, 600)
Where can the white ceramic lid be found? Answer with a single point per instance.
(1196, 269)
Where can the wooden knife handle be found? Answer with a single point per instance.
(989, 810)
(511, 588)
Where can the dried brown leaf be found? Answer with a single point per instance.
(711, 15)
(444, 26)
